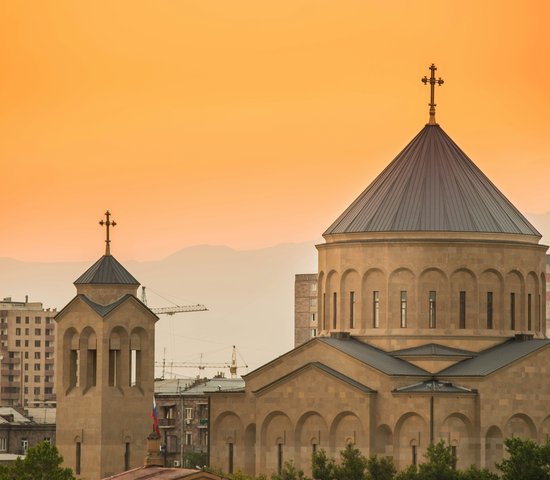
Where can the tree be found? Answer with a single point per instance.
(440, 464)
(527, 460)
(380, 468)
(352, 464)
(42, 462)
(289, 472)
(323, 467)
(474, 473)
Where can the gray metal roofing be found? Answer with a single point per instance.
(374, 357)
(432, 349)
(433, 386)
(107, 271)
(432, 186)
(492, 359)
(326, 369)
(184, 386)
(104, 309)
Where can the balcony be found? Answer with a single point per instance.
(167, 422)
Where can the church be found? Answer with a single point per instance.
(431, 325)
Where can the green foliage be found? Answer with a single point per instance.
(474, 473)
(42, 462)
(323, 468)
(195, 459)
(352, 464)
(527, 460)
(380, 468)
(289, 472)
(440, 464)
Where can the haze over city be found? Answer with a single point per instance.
(247, 125)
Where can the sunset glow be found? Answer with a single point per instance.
(250, 123)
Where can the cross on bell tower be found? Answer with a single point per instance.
(108, 223)
(432, 80)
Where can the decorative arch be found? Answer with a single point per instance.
(88, 358)
(383, 441)
(433, 307)
(520, 425)
(119, 362)
(71, 357)
(228, 431)
(331, 310)
(464, 299)
(346, 428)
(350, 288)
(138, 352)
(311, 433)
(494, 447)
(457, 430)
(532, 316)
(374, 299)
(411, 430)
(402, 299)
(277, 441)
(514, 301)
(491, 291)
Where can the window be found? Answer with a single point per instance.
(313, 332)
(453, 453)
(462, 317)
(127, 456)
(48, 440)
(37, 390)
(17, 319)
(77, 463)
(26, 331)
(26, 354)
(27, 320)
(37, 355)
(26, 343)
(18, 331)
(37, 379)
(489, 310)
(432, 309)
(188, 413)
(529, 311)
(351, 309)
(38, 331)
(334, 308)
(414, 455)
(36, 367)
(3, 444)
(279, 458)
(313, 288)
(48, 390)
(37, 320)
(403, 309)
(18, 343)
(512, 311)
(26, 378)
(24, 445)
(375, 309)
(313, 318)
(230, 457)
(37, 343)
(48, 320)
(188, 438)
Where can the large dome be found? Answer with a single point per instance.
(432, 186)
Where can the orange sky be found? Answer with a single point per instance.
(249, 123)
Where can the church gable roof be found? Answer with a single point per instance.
(432, 350)
(493, 359)
(432, 186)
(376, 358)
(106, 271)
(324, 368)
(434, 386)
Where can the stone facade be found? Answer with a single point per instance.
(431, 294)
(105, 351)
(305, 308)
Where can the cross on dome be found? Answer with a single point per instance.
(432, 80)
(108, 223)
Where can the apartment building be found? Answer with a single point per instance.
(27, 357)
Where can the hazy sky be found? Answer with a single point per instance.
(249, 123)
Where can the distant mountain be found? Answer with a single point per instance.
(249, 294)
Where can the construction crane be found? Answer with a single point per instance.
(173, 310)
(201, 365)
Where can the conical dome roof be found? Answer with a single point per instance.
(432, 186)
(106, 271)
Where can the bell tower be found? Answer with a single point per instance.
(105, 374)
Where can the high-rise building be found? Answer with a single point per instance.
(305, 308)
(27, 359)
